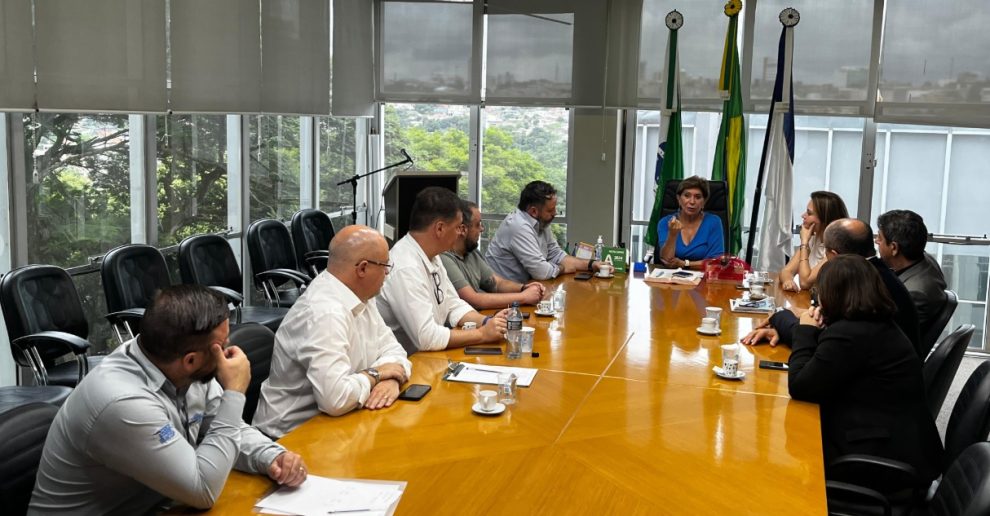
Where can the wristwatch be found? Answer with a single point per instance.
(372, 372)
(687, 263)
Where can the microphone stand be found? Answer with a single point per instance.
(354, 181)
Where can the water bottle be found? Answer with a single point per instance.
(513, 330)
(598, 249)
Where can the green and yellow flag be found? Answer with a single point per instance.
(730, 150)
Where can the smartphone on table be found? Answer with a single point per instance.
(482, 350)
(769, 364)
(582, 276)
(414, 392)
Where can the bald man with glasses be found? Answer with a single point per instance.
(333, 352)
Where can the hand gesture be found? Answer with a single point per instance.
(790, 286)
(813, 317)
(383, 394)
(288, 469)
(537, 284)
(807, 231)
(531, 295)
(494, 330)
(233, 368)
(674, 226)
(761, 334)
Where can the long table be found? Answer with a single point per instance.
(625, 416)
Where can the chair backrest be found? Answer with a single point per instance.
(270, 247)
(258, 343)
(934, 331)
(131, 275)
(208, 260)
(23, 431)
(716, 204)
(970, 419)
(37, 298)
(965, 486)
(941, 365)
(311, 231)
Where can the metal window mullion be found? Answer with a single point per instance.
(828, 161)
(143, 179)
(946, 168)
(474, 154)
(628, 154)
(17, 184)
(873, 78)
(308, 162)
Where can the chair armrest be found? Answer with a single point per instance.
(887, 476)
(129, 315)
(324, 253)
(848, 499)
(231, 295)
(71, 343)
(296, 277)
(317, 259)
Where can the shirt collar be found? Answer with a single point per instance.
(431, 265)
(154, 376)
(345, 295)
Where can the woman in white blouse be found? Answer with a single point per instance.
(802, 270)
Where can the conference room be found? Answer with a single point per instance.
(148, 144)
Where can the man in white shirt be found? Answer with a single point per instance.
(418, 301)
(333, 352)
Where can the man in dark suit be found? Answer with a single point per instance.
(901, 238)
(849, 236)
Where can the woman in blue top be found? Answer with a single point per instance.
(690, 235)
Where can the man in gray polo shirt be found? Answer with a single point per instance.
(472, 278)
(524, 246)
(151, 424)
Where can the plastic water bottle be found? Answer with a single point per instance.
(513, 330)
(598, 249)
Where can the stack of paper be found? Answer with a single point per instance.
(322, 496)
(488, 374)
(748, 306)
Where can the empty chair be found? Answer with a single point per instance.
(970, 418)
(45, 321)
(717, 204)
(208, 260)
(23, 431)
(131, 275)
(934, 331)
(965, 486)
(941, 366)
(312, 232)
(273, 262)
(258, 343)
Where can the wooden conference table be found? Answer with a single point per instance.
(625, 416)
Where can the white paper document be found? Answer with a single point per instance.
(322, 496)
(488, 374)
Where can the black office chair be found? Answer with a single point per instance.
(208, 260)
(273, 261)
(131, 275)
(941, 366)
(45, 321)
(258, 343)
(23, 431)
(965, 486)
(716, 204)
(312, 232)
(18, 395)
(934, 331)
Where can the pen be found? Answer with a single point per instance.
(348, 510)
(482, 369)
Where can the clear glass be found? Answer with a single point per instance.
(338, 148)
(529, 56)
(192, 176)
(834, 39)
(274, 166)
(78, 186)
(521, 145)
(427, 48)
(435, 135)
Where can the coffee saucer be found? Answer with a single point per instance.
(499, 408)
(551, 313)
(610, 276)
(703, 331)
(757, 297)
(721, 374)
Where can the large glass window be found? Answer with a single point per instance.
(529, 55)
(192, 176)
(274, 169)
(78, 186)
(337, 147)
(435, 135)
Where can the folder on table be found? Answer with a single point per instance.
(487, 374)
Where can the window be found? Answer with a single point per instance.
(435, 135)
(337, 147)
(529, 56)
(192, 176)
(275, 166)
(78, 186)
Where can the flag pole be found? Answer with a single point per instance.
(789, 17)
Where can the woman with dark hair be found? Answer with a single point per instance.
(850, 358)
(690, 235)
(823, 208)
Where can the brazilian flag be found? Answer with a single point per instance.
(730, 150)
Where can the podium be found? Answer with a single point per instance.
(400, 193)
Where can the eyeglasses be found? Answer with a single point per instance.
(438, 293)
(388, 266)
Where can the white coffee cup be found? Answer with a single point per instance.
(730, 367)
(487, 399)
(605, 270)
(470, 325)
(708, 324)
(756, 289)
(714, 312)
(730, 352)
(526, 339)
(545, 306)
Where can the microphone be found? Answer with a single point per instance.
(406, 155)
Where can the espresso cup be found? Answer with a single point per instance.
(605, 270)
(709, 324)
(487, 399)
(714, 312)
(730, 367)
(545, 306)
(757, 289)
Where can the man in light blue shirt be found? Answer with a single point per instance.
(524, 247)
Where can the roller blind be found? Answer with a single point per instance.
(16, 56)
(100, 55)
(295, 57)
(353, 71)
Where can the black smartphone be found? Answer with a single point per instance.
(482, 350)
(582, 276)
(682, 274)
(414, 392)
(767, 364)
